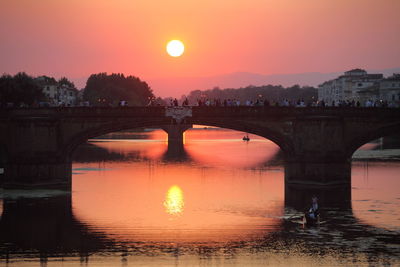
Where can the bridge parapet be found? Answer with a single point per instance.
(178, 113)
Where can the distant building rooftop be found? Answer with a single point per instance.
(355, 72)
(359, 75)
(362, 74)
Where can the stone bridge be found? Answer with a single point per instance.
(317, 143)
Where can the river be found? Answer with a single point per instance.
(221, 202)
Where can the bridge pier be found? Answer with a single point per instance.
(299, 196)
(318, 154)
(317, 171)
(329, 179)
(175, 137)
(34, 154)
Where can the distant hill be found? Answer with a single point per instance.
(176, 87)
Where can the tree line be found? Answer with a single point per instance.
(272, 93)
(20, 89)
(101, 89)
(104, 89)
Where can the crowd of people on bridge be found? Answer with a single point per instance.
(234, 102)
(283, 103)
(368, 103)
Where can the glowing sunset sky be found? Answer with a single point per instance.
(76, 38)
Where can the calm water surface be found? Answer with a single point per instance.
(221, 202)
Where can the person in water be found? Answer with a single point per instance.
(313, 212)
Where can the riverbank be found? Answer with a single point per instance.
(377, 155)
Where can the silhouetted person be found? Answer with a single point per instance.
(313, 212)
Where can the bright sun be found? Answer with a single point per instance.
(175, 48)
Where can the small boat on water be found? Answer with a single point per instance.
(312, 215)
(246, 138)
(311, 220)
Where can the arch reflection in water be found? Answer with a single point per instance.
(174, 201)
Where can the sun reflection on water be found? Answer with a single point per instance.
(174, 201)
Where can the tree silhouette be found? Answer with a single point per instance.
(65, 81)
(20, 89)
(104, 89)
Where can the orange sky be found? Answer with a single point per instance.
(78, 37)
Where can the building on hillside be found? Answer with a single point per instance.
(50, 88)
(355, 85)
(330, 91)
(67, 95)
(56, 93)
(390, 90)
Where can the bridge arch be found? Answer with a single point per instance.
(371, 135)
(284, 143)
(81, 137)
